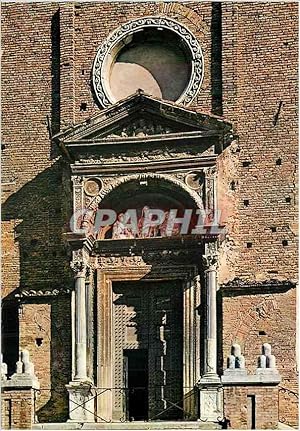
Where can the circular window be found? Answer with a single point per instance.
(154, 54)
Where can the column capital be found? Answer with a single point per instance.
(79, 263)
(79, 268)
(210, 258)
(77, 180)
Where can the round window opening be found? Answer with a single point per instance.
(153, 60)
(159, 56)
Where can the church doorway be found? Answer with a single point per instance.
(135, 369)
(148, 349)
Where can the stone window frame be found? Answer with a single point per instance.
(110, 48)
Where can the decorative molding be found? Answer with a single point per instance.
(238, 286)
(92, 186)
(114, 182)
(42, 293)
(210, 258)
(99, 67)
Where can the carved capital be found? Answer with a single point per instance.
(79, 263)
(79, 268)
(210, 258)
(77, 180)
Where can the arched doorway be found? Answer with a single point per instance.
(147, 208)
(148, 291)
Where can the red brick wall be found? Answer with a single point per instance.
(237, 409)
(34, 255)
(259, 64)
(245, 317)
(17, 409)
(260, 70)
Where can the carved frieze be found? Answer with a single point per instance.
(163, 153)
(148, 257)
(120, 261)
(44, 293)
(139, 128)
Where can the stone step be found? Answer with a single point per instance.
(136, 426)
(282, 426)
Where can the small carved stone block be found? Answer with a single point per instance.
(92, 186)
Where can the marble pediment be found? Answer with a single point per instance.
(141, 119)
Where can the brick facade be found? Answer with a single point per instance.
(236, 406)
(17, 408)
(48, 52)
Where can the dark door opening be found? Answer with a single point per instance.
(136, 384)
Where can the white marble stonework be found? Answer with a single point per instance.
(211, 404)
(81, 402)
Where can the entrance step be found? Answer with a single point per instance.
(136, 426)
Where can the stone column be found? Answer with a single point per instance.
(210, 347)
(211, 394)
(81, 393)
(80, 325)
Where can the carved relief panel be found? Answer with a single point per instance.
(90, 193)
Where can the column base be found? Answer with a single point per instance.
(81, 402)
(210, 398)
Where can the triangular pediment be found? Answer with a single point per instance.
(142, 115)
(142, 118)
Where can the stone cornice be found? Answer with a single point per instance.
(140, 102)
(32, 293)
(239, 286)
(144, 166)
(170, 137)
(138, 244)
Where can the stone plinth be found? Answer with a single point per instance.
(211, 402)
(19, 394)
(81, 402)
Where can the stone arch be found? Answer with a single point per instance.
(194, 18)
(110, 185)
(172, 190)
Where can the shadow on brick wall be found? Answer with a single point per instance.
(38, 209)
